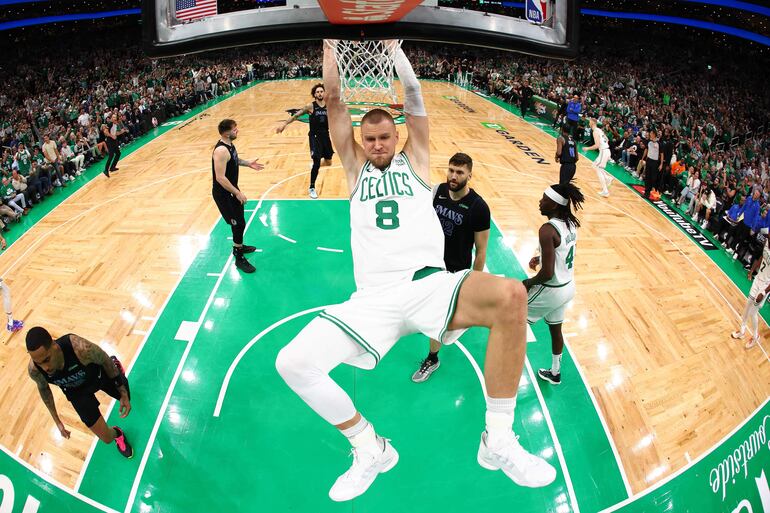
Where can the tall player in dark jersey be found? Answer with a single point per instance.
(567, 155)
(80, 369)
(465, 219)
(227, 195)
(320, 143)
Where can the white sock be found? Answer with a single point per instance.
(555, 364)
(499, 420)
(366, 439)
(755, 322)
(10, 318)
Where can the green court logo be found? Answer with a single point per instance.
(358, 110)
(493, 126)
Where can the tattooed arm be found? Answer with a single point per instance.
(47, 396)
(88, 352)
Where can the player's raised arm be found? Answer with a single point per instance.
(417, 145)
(307, 109)
(340, 124)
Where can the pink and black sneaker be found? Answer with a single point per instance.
(123, 446)
(117, 364)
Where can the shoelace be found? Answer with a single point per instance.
(425, 365)
(362, 468)
(516, 454)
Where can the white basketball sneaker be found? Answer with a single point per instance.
(312, 193)
(364, 470)
(523, 468)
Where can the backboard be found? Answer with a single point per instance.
(540, 27)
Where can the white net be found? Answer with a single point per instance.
(366, 70)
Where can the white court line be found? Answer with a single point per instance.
(284, 237)
(587, 386)
(603, 421)
(679, 249)
(321, 248)
(57, 484)
(264, 195)
(245, 349)
(46, 234)
(663, 236)
(546, 416)
(686, 467)
(154, 320)
(216, 275)
(556, 443)
(474, 364)
(172, 386)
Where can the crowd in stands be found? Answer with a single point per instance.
(711, 125)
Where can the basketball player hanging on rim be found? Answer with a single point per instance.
(81, 369)
(228, 197)
(599, 164)
(566, 155)
(320, 144)
(553, 287)
(402, 288)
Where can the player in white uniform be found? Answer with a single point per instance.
(760, 287)
(12, 324)
(553, 287)
(402, 288)
(599, 164)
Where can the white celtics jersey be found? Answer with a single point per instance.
(764, 268)
(394, 230)
(563, 267)
(601, 139)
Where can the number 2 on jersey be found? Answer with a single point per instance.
(570, 257)
(387, 214)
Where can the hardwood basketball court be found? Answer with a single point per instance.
(649, 326)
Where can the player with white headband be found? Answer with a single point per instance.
(553, 287)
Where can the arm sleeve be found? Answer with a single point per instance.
(413, 103)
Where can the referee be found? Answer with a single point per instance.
(566, 155)
(465, 219)
(227, 195)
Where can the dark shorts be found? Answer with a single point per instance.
(566, 172)
(230, 208)
(87, 405)
(321, 146)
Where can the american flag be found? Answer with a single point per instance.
(188, 10)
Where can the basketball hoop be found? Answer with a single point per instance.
(366, 69)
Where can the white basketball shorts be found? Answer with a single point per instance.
(549, 302)
(377, 317)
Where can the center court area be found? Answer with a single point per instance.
(641, 327)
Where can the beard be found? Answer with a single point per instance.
(457, 186)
